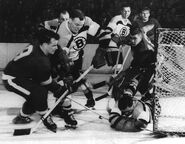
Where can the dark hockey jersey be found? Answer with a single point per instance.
(142, 57)
(31, 63)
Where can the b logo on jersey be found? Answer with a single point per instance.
(80, 43)
(124, 31)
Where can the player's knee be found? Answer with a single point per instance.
(39, 98)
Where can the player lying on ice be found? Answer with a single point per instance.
(128, 113)
(29, 75)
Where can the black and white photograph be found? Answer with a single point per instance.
(92, 71)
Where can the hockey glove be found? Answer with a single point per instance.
(120, 40)
(59, 91)
(99, 58)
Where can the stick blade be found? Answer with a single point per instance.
(101, 97)
(19, 132)
(100, 84)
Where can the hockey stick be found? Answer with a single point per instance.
(110, 90)
(117, 61)
(18, 132)
(100, 116)
(103, 83)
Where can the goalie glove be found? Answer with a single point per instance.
(99, 58)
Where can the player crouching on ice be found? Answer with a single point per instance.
(29, 75)
(128, 113)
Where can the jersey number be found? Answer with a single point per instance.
(24, 53)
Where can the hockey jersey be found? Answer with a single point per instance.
(73, 43)
(119, 26)
(151, 21)
(31, 63)
(52, 25)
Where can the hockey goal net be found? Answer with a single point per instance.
(170, 82)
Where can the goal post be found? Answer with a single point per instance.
(170, 82)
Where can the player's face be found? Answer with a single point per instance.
(63, 17)
(52, 46)
(126, 12)
(76, 24)
(145, 15)
(136, 39)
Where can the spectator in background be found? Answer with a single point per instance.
(144, 19)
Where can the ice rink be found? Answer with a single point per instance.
(91, 129)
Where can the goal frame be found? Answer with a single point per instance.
(155, 116)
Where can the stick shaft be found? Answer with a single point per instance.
(88, 108)
(64, 95)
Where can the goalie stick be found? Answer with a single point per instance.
(27, 131)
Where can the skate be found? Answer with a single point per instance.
(22, 120)
(70, 120)
(90, 103)
(90, 100)
(48, 122)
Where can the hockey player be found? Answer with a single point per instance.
(129, 117)
(73, 37)
(144, 20)
(29, 75)
(55, 23)
(130, 114)
(119, 25)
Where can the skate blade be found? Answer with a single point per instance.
(70, 126)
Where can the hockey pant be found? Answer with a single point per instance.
(135, 79)
(36, 95)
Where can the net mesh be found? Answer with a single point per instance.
(170, 81)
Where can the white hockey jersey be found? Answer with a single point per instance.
(73, 43)
(119, 26)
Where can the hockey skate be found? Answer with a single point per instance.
(48, 122)
(69, 120)
(90, 100)
(22, 120)
(90, 103)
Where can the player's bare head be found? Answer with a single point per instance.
(135, 35)
(145, 13)
(45, 36)
(48, 41)
(76, 21)
(125, 10)
(63, 16)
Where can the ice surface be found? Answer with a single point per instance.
(91, 129)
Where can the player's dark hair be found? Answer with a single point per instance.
(145, 9)
(62, 12)
(76, 13)
(135, 29)
(44, 36)
(123, 5)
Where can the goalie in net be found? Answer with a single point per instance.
(128, 113)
